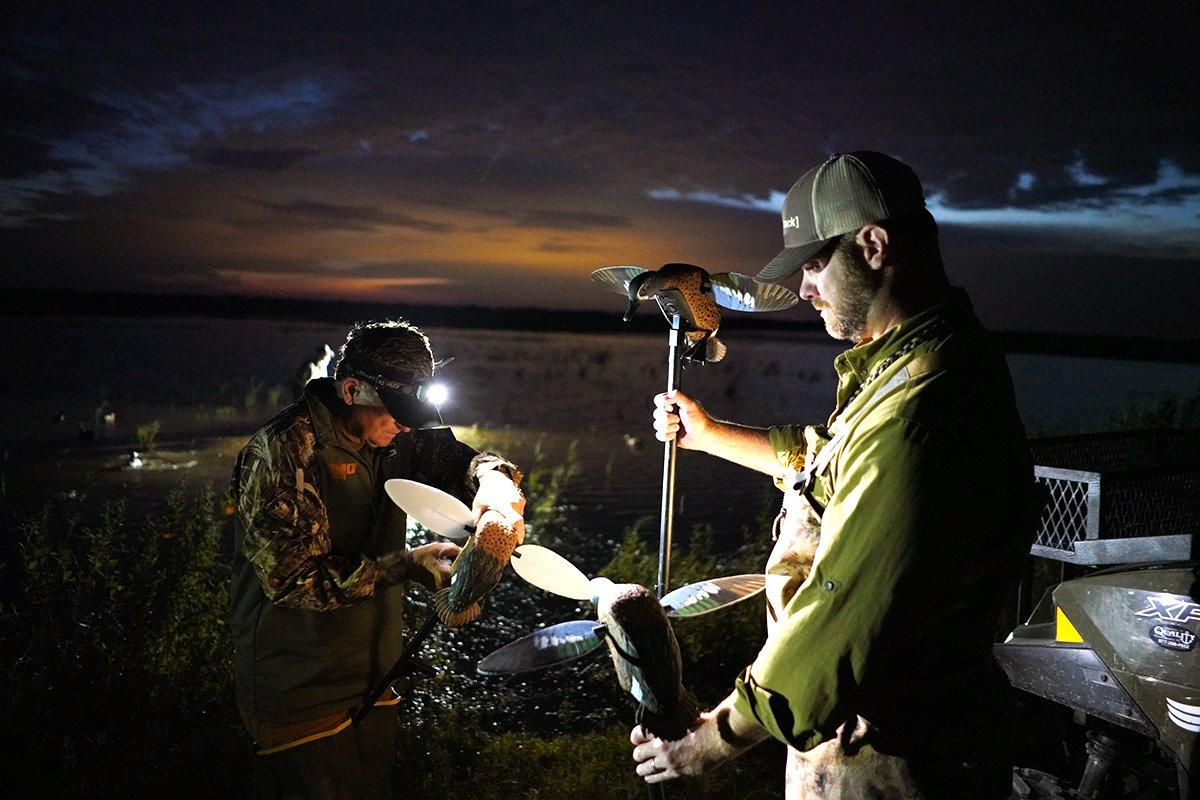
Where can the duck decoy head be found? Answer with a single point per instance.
(636, 293)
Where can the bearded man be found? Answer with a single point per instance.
(905, 518)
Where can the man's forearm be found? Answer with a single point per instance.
(736, 730)
(741, 444)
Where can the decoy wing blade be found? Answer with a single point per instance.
(616, 279)
(556, 644)
(742, 293)
(442, 513)
(700, 598)
(548, 570)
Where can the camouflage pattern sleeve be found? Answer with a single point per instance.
(440, 460)
(286, 530)
(789, 445)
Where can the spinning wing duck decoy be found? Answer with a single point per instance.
(695, 295)
(480, 563)
(635, 626)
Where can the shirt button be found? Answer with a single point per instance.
(829, 586)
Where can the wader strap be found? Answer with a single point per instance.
(816, 464)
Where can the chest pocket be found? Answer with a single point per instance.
(342, 472)
(348, 489)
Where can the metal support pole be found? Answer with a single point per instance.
(667, 515)
(403, 663)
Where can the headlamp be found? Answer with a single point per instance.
(411, 403)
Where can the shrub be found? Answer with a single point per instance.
(117, 666)
(1169, 412)
(147, 433)
(250, 399)
(117, 658)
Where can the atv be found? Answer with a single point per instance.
(1112, 647)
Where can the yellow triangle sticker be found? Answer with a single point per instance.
(1064, 631)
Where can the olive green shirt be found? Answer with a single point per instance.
(925, 524)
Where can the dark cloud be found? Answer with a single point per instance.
(479, 179)
(44, 108)
(569, 220)
(22, 158)
(566, 247)
(297, 225)
(266, 160)
(353, 218)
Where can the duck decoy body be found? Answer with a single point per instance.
(476, 571)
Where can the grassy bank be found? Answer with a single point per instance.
(117, 663)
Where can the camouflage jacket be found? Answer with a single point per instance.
(316, 616)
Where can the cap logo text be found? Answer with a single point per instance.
(791, 222)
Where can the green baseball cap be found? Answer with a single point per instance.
(840, 196)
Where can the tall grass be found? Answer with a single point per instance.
(1170, 411)
(117, 666)
(147, 433)
(117, 661)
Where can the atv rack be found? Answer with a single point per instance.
(1125, 497)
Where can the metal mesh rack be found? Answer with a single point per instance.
(1123, 497)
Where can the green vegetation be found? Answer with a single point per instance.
(147, 433)
(117, 660)
(117, 664)
(454, 757)
(1169, 412)
(274, 395)
(251, 398)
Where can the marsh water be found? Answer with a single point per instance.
(79, 393)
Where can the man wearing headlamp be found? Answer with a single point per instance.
(320, 557)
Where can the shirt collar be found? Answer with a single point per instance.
(321, 396)
(854, 365)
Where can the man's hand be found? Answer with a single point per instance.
(429, 565)
(679, 417)
(498, 493)
(722, 734)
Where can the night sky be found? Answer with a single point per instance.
(497, 153)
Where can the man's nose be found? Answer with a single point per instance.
(808, 289)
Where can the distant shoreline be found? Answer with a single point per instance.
(75, 303)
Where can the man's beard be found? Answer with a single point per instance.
(857, 286)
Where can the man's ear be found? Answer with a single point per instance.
(873, 239)
(347, 389)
